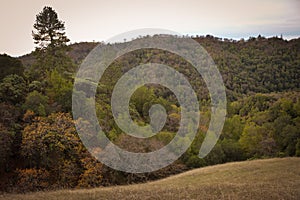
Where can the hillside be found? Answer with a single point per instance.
(78, 51)
(247, 66)
(277, 178)
(49, 116)
(261, 76)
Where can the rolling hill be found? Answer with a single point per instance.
(256, 65)
(261, 76)
(277, 178)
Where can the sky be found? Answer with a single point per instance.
(99, 20)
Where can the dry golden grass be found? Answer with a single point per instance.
(277, 178)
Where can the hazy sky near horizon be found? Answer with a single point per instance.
(100, 20)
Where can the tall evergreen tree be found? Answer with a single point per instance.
(49, 30)
(49, 36)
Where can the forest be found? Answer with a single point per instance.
(41, 150)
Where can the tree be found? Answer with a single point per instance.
(59, 90)
(6, 141)
(257, 141)
(13, 89)
(50, 31)
(92, 175)
(32, 179)
(36, 102)
(232, 150)
(9, 134)
(233, 128)
(53, 144)
(49, 36)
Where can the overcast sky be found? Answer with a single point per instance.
(99, 20)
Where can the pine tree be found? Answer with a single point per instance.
(49, 30)
(51, 50)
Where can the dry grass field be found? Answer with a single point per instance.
(277, 178)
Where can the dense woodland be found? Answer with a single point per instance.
(39, 146)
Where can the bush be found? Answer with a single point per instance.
(92, 176)
(194, 161)
(32, 179)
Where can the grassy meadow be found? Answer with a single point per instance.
(277, 178)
